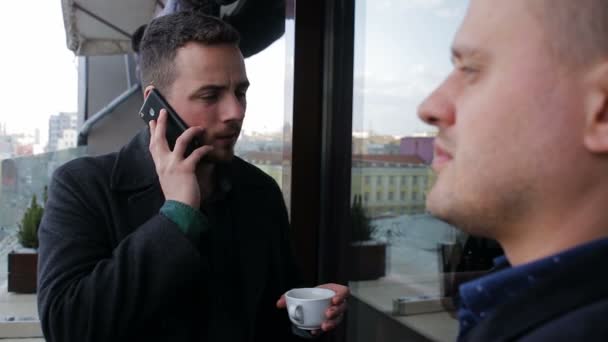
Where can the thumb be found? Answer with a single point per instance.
(281, 303)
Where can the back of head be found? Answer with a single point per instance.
(165, 35)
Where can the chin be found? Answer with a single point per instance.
(222, 157)
(443, 205)
(463, 214)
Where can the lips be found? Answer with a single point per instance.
(441, 157)
(226, 138)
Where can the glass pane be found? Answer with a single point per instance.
(23, 177)
(401, 54)
(265, 138)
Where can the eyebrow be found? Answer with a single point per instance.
(219, 87)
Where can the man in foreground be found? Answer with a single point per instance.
(522, 157)
(150, 245)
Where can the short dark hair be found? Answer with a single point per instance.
(577, 30)
(165, 35)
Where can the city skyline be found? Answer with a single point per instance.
(387, 90)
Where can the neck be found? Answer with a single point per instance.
(581, 220)
(204, 175)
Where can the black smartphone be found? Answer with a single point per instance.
(175, 125)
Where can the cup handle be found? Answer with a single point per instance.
(295, 312)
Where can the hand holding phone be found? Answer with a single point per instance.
(176, 174)
(175, 125)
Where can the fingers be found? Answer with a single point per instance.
(335, 316)
(330, 324)
(281, 303)
(158, 141)
(342, 292)
(182, 142)
(198, 154)
(335, 311)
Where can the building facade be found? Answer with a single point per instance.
(58, 124)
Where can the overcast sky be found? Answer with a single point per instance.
(38, 74)
(402, 52)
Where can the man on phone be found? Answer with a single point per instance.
(154, 244)
(522, 158)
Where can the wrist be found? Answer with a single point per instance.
(189, 220)
(193, 204)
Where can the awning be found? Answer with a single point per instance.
(104, 27)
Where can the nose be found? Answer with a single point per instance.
(234, 108)
(438, 108)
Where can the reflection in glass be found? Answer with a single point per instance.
(266, 134)
(401, 54)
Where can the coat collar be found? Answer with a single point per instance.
(574, 285)
(134, 168)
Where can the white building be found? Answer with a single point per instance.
(57, 125)
(67, 139)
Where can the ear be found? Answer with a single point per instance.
(147, 91)
(596, 111)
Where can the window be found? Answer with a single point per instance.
(263, 137)
(367, 180)
(401, 54)
(366, 197)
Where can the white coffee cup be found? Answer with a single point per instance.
(306, 306)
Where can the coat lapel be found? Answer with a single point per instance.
(134, 175)
(255, 254)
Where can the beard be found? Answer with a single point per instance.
(223, 157)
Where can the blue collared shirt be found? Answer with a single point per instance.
(478, 298)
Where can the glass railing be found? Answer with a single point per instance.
(21, 179)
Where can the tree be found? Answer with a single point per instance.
(28, 228)
(362, 228)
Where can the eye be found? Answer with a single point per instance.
(241, 94)
(209, 96)
(467, 69)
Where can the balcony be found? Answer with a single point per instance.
(22, 177)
